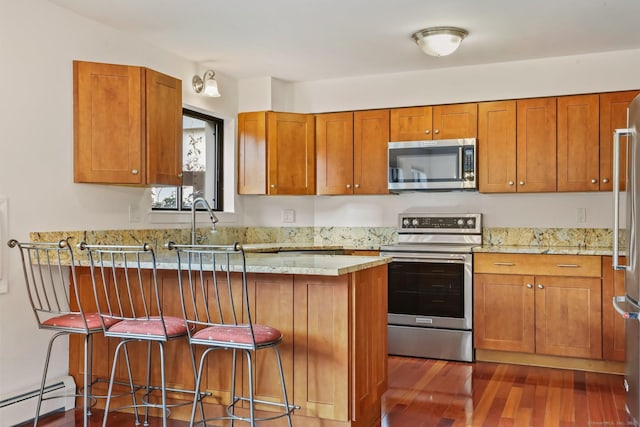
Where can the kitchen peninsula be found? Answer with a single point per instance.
(332, 311)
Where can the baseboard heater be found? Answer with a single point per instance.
(20, 406)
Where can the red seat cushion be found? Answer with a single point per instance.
(75, 321)
(239, 334)
(152, 326)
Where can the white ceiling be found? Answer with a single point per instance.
(302, 40)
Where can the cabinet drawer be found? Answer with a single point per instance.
(547, 265)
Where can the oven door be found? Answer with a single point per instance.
(430, 290)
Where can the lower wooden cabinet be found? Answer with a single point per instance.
(543, 304)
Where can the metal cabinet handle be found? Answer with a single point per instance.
(504, 264)
(428, 131)
(436, 131)
(521, 182)
(180, 175)
(134, 171)
(568, 265)
(348, 185)
(540, 286)
(511, 182)
(620, 311)
(529, 285)
(594, 181)
(357, 185)
(273, 186)
(606, 180)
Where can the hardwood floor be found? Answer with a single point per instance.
(435, 393)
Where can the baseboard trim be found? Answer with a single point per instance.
(546, 361)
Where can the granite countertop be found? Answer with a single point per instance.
(543, 249)
(284, 247)
(322, 265)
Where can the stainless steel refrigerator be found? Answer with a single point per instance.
(626, 245)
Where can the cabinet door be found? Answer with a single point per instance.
(370, 141)
(613, 115)
(163, 129)
(536, 144)
(578, 143)
(252, 153)
(569, 316)
(613, 332)
(455, 121)
(271, 300)
(291, 153)
(108, 123)
(411, 124)
(503, 312)
(334, 153)
(497, 147)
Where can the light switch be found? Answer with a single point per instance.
(581, 215)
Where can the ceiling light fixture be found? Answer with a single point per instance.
(439, 41)
(207, 83)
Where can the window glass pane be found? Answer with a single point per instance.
(164, 198)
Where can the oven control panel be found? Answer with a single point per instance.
(440, 223)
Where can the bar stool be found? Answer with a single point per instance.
(47, 279)
(215, 305)
(125, 286)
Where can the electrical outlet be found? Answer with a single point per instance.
(288, 215)
(134, 214)
(581, 215)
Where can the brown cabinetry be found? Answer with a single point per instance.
(437, 122)
(276, 153)
(613, 333)
(127, 125)
(497, 147)
(578, 143)
(543, 304)
(613, 115)
(351, 152)
(536, 145)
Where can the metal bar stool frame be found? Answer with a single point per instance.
(207, 274)
(44, 265)
(119, 291)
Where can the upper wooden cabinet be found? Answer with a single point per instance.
(578, 143)
(438, 122)
(351, 152)
(536, 145)
(127, 125)
(613, 115)
(497, 147)
(276, 153)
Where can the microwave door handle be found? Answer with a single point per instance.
(616, 196)
(460, 163)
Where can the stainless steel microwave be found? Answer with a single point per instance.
(446, 164)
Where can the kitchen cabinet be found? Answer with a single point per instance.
(613, 332)
(613, 115)
(276, 153)
(578, 152)
(351, 152)
(497, 147)
(127, 125)
(543, 304)
(436, 122)
(536, 145)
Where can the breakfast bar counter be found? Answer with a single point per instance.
(332, 312)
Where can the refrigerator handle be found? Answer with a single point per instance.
(616, 198)
(621, 312)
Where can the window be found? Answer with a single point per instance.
(201, 165)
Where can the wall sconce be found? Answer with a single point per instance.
(439, 41)
(207, 83)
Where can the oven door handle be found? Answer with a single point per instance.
(428, 258)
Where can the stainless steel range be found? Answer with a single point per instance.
(431, 285)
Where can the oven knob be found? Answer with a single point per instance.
(470, 222)
(405, 222)
(415, 222)
(461, 222)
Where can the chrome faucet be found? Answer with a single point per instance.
(214, 219)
